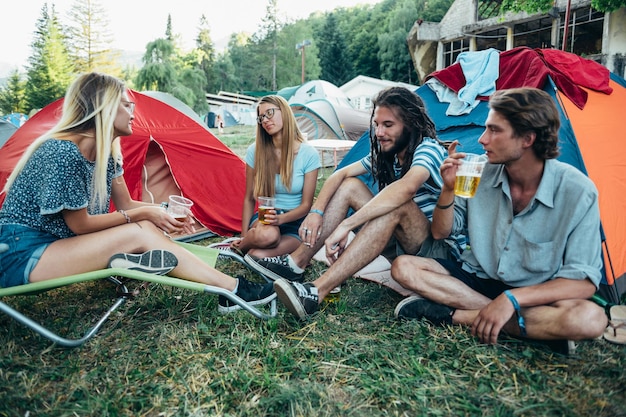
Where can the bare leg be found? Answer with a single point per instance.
(260, 236)
(92, 251)
(352, 193)
(429, 279)
(407, 222)
(566, 319)
(287, 244)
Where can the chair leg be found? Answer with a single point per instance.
(59, 340)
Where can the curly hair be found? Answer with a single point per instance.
(530, 110)
(417, 125)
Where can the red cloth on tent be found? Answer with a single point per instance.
(526, 67)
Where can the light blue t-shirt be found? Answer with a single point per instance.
(307, 159)
(556, 236)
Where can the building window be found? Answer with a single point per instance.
(584, 31)
(453, 49)
(534, 34)
(495, 39)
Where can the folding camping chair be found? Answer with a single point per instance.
(114, 274)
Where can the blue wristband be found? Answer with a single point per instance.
(316, 211)
(520, 319)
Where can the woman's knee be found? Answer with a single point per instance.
(265, 237)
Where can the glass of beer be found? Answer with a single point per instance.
(265, 204)
(468, 175)
(179, 207)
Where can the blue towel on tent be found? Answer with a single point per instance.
(481, 70)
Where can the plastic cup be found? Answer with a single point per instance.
(179, 207)
(265, 204)
(468, 175)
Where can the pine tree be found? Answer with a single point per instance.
(89, 41)
(50, 69)
(336, 67)
(12, 96)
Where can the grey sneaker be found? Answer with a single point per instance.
(300, 299)
(274, 268)
(157, 261)
(416, 307)
(252, 292)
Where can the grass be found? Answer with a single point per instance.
(169, 353)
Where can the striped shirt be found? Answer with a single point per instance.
(429, 155)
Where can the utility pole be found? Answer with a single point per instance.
(301, 46)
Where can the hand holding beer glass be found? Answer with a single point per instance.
(265, 204)
(468, 175)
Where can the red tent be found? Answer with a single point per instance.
(169, 152)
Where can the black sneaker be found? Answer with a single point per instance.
(416, 307)
(157, 261)
(300, 299)
(274, 268)
(252, 292)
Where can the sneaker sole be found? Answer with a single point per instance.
(225, 310)
(158, 262)
(261, 269)
(401, 304)
(288, 296)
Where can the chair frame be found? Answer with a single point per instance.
(112, 274)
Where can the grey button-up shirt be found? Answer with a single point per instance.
(556, 236)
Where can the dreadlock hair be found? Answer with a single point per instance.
(410, 108)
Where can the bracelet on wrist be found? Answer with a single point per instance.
(126, 216)
(518, 312)
(447, 206)
(316, 211)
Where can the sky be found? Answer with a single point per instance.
(134, 23)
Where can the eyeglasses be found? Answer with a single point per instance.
(269, 113)
(130, 106)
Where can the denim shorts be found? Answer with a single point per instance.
(286, 229)
(26, 245)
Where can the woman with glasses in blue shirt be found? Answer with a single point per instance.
(279, 164)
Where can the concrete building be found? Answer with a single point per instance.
(475, 25)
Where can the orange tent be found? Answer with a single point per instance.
(599, 131)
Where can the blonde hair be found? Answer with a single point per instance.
(90, 105)
(264, 156)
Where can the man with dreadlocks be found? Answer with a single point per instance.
(404, 162)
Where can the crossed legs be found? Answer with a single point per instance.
(572, 319)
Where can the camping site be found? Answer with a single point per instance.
(169, 353)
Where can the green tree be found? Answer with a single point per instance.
(89, 38)
(12, 96)
(267, 36)
(204, 54)
(335, 66)
(225, 74)
(50, 69)
(395, 59)
(361, 26)
(158, 72)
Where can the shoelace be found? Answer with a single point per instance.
(303, 291)
(280, 260)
